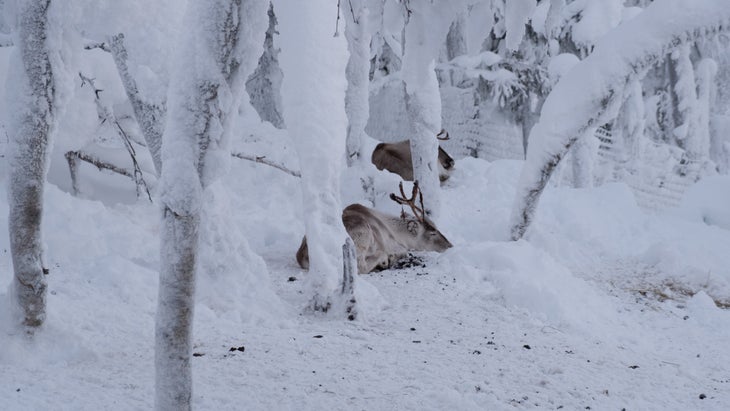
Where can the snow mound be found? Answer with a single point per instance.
(707, 202)
(523, 276)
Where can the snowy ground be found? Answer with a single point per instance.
(603, 306)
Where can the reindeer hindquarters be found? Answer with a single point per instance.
(303, 254)
(395, 158)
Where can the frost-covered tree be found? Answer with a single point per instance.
(313, 93)
(592, 94)
(517, 14)
(264, 85)
(630, 124)
(150, 115)
(216, 55)
(358, 70)
(698, 142)
(33, 89)
(386, 48)
(685, 91)
(456, 39)
(427, 25)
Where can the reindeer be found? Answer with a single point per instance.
(396, 158)
(381, 239)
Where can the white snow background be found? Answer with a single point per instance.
(603, 305)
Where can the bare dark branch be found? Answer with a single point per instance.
(337, 22)
(73, 156)
(107, 116)
(263, 160)
(352, 11)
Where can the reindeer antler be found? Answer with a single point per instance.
(418, 212)
(443, 133)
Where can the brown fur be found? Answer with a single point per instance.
(397, 158)
(381, 239)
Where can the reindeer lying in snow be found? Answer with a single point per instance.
(396, 158)
(381, 239)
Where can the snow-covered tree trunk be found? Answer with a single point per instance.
(33, 101)
(589, 96)
(349, 274)
(358, 69)
(313, 92)
(264, 85)
(582, 156)
(215, 56)
(424, 33)
(456, 38)
(698, 143)
(685, 89)
(150, 115)
(631, 123)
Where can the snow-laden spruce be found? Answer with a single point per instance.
(517, 14)
(214, 58)
(591, 93)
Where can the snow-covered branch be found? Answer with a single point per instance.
(91, 45)
(263, 160)
(73, 156)
(264, 85)
(150, 116)
(591, 93)
(107, 116)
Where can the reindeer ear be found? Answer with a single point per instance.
(413, 227)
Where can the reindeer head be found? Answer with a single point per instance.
(424, 234)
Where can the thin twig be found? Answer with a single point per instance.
(100, 164)
(352, 11)
(72, 156)
(406, 6)
(337, 23)
(106, 115)
(263, 160)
